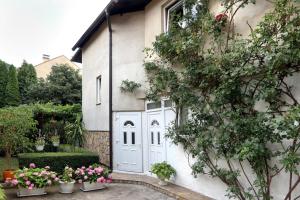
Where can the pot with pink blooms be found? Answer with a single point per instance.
(94, 177)
(32, 181)
(66, 181)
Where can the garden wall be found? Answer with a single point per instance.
(98, 142)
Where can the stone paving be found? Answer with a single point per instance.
(114, 191)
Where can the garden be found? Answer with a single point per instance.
(42, 144)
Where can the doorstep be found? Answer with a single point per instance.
(171, 190)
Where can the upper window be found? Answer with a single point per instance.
(98, 90)
(174, 15)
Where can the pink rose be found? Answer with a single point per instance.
(15, 182)
(32, 165)
(101, 180)
(90, 173)
(27, 182)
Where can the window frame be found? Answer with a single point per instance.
(98, 89)
(169, 8)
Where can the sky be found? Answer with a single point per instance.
(30, 28)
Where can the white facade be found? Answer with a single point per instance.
(138, 132)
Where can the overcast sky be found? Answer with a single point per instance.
(30, 28)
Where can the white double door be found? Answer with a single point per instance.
(129, 142)
(156, 137)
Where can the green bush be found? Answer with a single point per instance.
(71, 149)
(58, 160)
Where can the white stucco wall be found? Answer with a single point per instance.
(128, 44)
(95, 63)
(128, 56)
(175, 154)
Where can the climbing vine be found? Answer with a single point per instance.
(244, 111)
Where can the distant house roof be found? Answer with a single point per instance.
(114, 7)
(44, 69)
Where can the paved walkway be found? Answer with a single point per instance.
(172, 190)
(114, 191)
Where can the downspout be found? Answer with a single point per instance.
(110, 91)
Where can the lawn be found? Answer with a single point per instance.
(3, 165)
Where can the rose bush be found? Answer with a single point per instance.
(92, 174)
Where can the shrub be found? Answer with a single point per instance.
(71, 149)
(58, 160)
(163, 170)
(94, 173)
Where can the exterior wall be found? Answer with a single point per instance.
(95, 63)
(154, 25)
(98, 142)
(128, 56)
(44, 69)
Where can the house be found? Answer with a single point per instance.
(125, 129)
(43, 69)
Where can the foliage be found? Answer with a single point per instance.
(224, 79)
(94, 173)
(55, 139)
(67, 176)
(12, 94)
(3, 82)
(58, 160)
(129, 86)
(32, 177)
(2, 194)
(163, 170)
(62, 86)
(75, 132)
(70, 148)
(26, 78)
(40, 141)
(15, 123)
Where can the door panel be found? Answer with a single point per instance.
(156, 138)
(129, 143)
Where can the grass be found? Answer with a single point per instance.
(3, 165)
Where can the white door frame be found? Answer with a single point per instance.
(117, 140)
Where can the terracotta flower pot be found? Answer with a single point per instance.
(8, 174)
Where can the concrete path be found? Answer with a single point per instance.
(114, 191)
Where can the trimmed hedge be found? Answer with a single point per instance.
(71, 149)
(58, 160)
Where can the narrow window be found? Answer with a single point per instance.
(152, 138)
(133, 138)
(125, 137)
(98, 90)
(153, 105)
(158, 138)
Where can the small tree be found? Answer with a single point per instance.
(12, 94)
(15, 122)
(26, 78)
(3, 82)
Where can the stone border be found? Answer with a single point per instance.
(171, 190)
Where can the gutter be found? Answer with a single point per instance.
(110, 89)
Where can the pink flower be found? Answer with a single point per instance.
(90, 173)
(30, 188)
(22, 175)
(79, 181)
(32, 165)
(27, 182)
(99, 170)
(15, 182)
(83, 167)
(56, 179)
(101, 180)
(47, 167)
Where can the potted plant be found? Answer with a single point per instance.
(32, 181)
(66, 181)
(163, 171)
(55, 140)
(93, 177)
(15, 123)
(40, 144)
